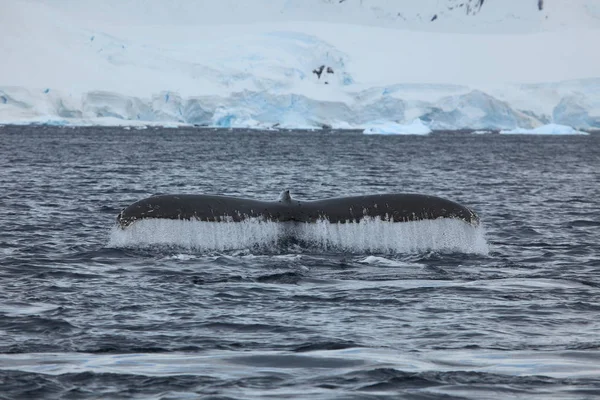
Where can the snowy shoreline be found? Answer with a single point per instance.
(439, 107)
(141, 126)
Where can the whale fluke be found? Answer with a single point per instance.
(398, 207)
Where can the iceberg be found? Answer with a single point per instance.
(578, 109)
(550, 129)
(417, 127)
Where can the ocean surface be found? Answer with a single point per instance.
(182, 310)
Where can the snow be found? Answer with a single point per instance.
(550, 129)
(417, 127)
(249, 64)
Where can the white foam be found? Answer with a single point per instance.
(383, 262)
(369, 235)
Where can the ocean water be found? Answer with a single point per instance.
(174, 309)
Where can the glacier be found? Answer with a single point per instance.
(310, 64)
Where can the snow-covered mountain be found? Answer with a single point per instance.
(484, 64)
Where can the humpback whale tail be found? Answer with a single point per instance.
(398, 207)
(396, 223)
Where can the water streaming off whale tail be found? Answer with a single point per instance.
(369, 235)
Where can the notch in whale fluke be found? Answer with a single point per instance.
(396, 207)
(285, 197)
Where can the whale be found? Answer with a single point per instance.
(393, 207)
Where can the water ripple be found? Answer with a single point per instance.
(424, 311)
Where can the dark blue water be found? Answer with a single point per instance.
(86, 311)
